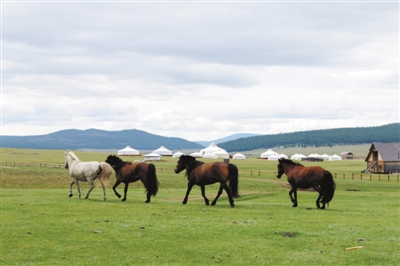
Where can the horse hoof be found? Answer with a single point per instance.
(70, 195)
(123, 200)
(147, 201)
(232, 205)
(294, 205)
(183, 202)
(213, 203)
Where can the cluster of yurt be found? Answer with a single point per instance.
(274, 156)
(156, 154)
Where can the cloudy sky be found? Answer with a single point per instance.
(198, 70)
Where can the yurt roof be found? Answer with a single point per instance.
(163, 151)
(128, 150)
(196, 154)
(211, 149)
(268, 152)
(177, 154)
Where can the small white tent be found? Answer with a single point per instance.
(128, 151)
(335, 158)
(325, 156)
(239, 156)
(152, 157)
(196, 154)
(222, 154)
(177, 154)
(210, 156)
(283, 156)
(274, 157)
(163, 151)
(268, 153)
(298, 157)
(211, 149)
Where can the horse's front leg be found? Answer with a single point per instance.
(70, 187)
(203, 193)
(294, 199)
(190, 186)
(90, 189)
(114, 188)
(218, 194)
(125, 191)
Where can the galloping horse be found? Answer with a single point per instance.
(201, 174)
(300, 176)
(87, 172)
(127, 172)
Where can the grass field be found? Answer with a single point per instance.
(41, 225)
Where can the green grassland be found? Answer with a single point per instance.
(41, 225)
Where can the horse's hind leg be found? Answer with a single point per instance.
(218, 194)
(228, 191)
(318, 189)
(125, 191)
(203, 193)
(79, 188)
(90, 189)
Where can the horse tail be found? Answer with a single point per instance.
(104, 177)
(328, 187)
(233, 180)
(151, 182)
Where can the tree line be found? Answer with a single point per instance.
(317, 138)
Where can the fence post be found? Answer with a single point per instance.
(335, 175)
(388, 177)
(343, 175)
(370, 177)
(251, 172)
(352, 176)
(258, 173)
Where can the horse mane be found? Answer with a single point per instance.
(192, 165)
(287, 161)
(73, 156)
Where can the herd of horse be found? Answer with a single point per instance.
(197, 173)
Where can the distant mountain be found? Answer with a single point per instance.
(317, 138)
(229, 138)
(97, 139)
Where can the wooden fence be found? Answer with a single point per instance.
(263, 173)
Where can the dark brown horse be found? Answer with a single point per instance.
(127, 172)
(202, 174)
(303, 177)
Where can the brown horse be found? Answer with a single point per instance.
(127, 172)
(202, 174)
(315, 177)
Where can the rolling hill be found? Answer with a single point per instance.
(97, 139)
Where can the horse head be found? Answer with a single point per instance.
(113, 160)
(183, 161)
(66, 160)
(281, 171)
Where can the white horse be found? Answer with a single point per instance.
(87, 172)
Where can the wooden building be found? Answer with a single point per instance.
(383, 158)
(347, 155)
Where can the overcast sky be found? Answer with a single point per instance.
(198, 70)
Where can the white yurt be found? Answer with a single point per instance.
(325, 156)
(283, 156)
(196, 154)
(210, 156)
(177, 154)
(128, 151)
(274, 157)
(314, 155)
(163, 151)
(211, 149)
(298, 157)
(222, 154)
(294, 156)
(152, 157)
(335, 157)
(268, 153)
(239, 156)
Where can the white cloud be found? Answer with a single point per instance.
(200, 71)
